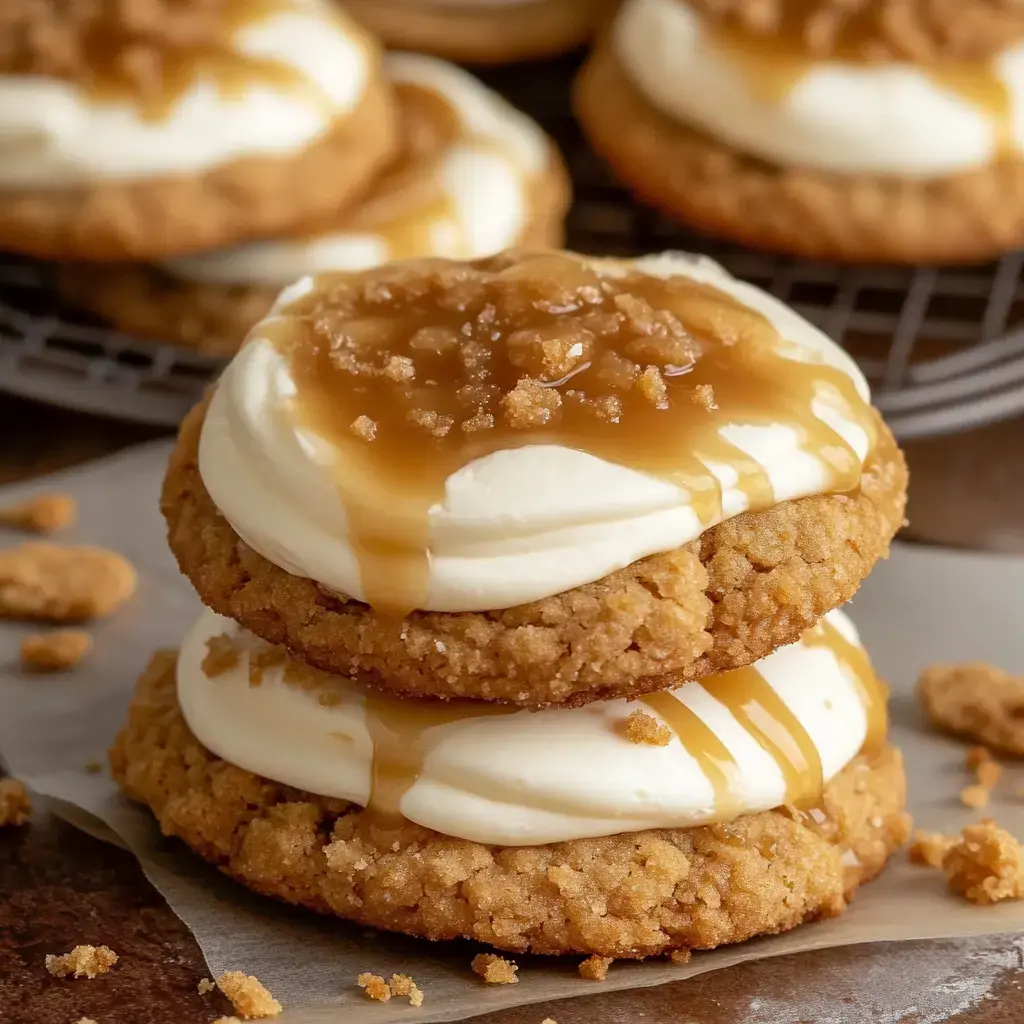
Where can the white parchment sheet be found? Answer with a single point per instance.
(921, 606)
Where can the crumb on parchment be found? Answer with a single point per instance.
(45, 513)
(929, 848)
(55, 652)
(81, 962)
(15, 805)
(374, 986)
(247, 995)
(681, 956)
(495, 970)
(595, 968)
(985, 864)
(403, 985)
(94, 767)
(974, 796)
(642, 727)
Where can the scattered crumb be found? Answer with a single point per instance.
(55, 652)
(222, 654)
(248, 996)
(975, 756)
(436, 424)
(985, 864)
(263, 657)
(681, 956)
(85, 1020)
(204, 986)
(94, 767)
(81, 962)
(61, 583)
(15, 805)
(595, 968)
(45, 513)
(929, 848)
(374, 986)
(403, 985)
(644, 728)
(989, 774)
(399, 368)
(363, 427)
(495, 970)
(975, 700)
(974, 796)
(704, 395)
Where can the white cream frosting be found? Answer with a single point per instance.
(889, 119)
(516, 525)
(525, 777)
(486, 176)
(54, 134)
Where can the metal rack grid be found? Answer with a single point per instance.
(943, 348)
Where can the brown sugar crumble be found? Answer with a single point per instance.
(595, 968)
(81, 962)
(364, 427)
(494, 969)
(205, 985)
(929, 848)
(61, 583)
(975, 700)
(247, 995)
(222, 655)
(45, 513)
(644, 728)
(374, 986)
(403, 985)
(974, 796)
(15, 805)
(54, 652)
(704, 395)
(985, 864)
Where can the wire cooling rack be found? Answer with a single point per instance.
(943, 348)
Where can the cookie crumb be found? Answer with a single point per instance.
(681, 956)
(247, 995)
(403, 985)
(704, 395)
(85, 1020)
(15, 805)
(94, 767)
(81, 962)
(45, 513)
(976, 756)
(929, 848)
(989, 773)
(264, 657)
(595, 968)
(495, 970)
(974, 796)
(55, 652)
(985, 864)
(975, 700)
(363, 427)
(644, 728)
(374, 986)
(62, 583)
(205, 985)
(222, 655)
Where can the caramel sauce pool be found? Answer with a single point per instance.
(410, 372)
(774, 62)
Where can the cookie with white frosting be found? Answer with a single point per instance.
(131, 132)
(472, 176)
(812, 127)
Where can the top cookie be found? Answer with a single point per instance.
(133, 130)
(631, 467)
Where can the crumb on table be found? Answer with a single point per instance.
(495, 970)
(45, 513)
(248, 995)
(227, 1020)
(985, 864)
(205, 985)
(929, 848)
(595, 968)
(642, 727)
(81, 962)
(15, 805)
(374, 986)
(85, 1020)
(56, 651)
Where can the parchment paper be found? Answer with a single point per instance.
(921, 606)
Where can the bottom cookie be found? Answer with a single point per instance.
(856, 218)
(631, 895)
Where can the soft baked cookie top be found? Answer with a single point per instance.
(922, 31)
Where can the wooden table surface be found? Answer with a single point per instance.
(59, 887)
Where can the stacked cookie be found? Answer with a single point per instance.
(192, 158)
(878, 130)
(522, 578)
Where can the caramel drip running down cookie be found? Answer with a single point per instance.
(409, 374)
(774, 62)
(146, 54)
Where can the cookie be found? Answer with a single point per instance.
(472, 175)
(118, 159)
(483, 33)
(629, 895)
(848, 201)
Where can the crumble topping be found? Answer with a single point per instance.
(985, 864)
(642, 727)
(247, 995)
(494, 969)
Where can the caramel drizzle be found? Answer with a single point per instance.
(774, 63)
(337, 338)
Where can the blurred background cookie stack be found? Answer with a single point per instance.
(522, 580)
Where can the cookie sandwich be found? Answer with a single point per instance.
(134, 130)
(483, 31)
(874, 131)
(522, 579)
(472, 176)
